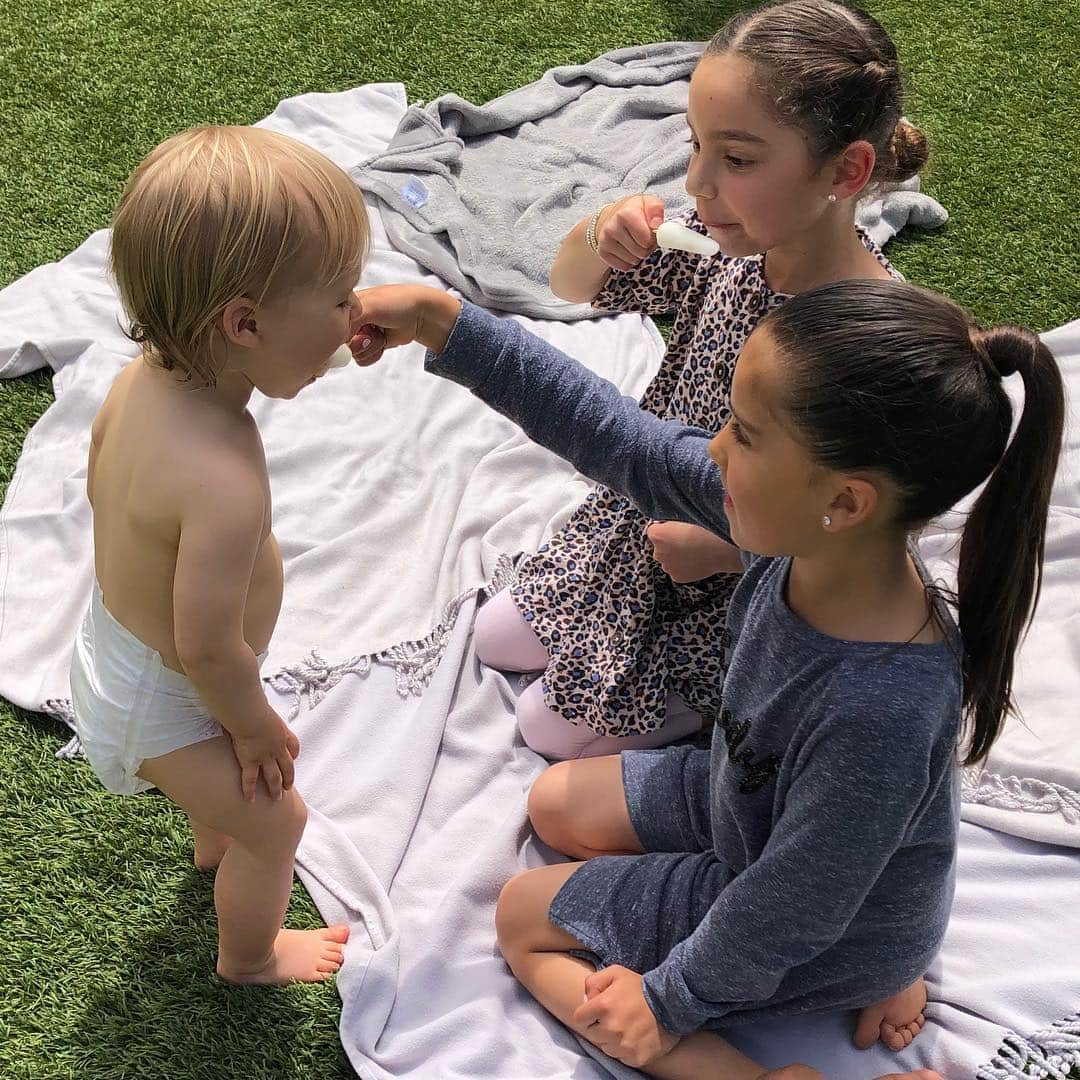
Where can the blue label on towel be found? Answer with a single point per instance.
(414, 192)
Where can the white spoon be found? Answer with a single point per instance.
(341, 357)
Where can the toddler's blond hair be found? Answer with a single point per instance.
(216, 213)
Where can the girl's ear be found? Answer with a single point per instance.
(238, 323)
(854, 504)
(853, 170)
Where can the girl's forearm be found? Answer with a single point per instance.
(578, 274)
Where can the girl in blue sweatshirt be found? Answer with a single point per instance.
(804, 863)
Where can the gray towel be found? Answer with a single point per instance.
(482, 195)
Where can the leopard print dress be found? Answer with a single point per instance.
(620, 633)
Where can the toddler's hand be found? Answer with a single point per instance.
(268, 753)
(689, 553)
(625, 230)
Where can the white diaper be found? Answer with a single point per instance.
(128, 705)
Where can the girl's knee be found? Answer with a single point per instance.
(547, 804)
(486, 632)
(511, 921)
(503, 639)
(543, 729)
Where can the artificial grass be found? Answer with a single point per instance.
(107, 941)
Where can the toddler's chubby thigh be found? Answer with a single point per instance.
(203, 779)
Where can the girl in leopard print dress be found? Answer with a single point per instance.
(618, 613)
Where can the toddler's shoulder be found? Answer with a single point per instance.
(214, 468)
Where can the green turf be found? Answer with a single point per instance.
(106, 943)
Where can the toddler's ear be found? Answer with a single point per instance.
(238, 323)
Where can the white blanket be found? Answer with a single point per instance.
(418, 818)
(396, 496)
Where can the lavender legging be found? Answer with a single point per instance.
(504, 640)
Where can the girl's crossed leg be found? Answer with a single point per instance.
(254, 876)
(503, 639)
(580, 808)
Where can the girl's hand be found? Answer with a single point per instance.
(391, 315)
(268, 753)
(689, 553)
(617, 1018)
(625, 230)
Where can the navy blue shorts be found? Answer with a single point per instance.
(632, 910)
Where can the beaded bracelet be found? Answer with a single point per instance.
(590, 231)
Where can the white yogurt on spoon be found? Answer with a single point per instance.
(674, 236)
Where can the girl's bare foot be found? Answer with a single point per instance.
(804, 1072)
(918, 1074)
(210, 846)
(297, 956)
(895, 1021)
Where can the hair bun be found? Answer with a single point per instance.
(910, 151)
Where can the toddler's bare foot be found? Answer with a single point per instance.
(298, 956)
(895, 1021)
(210, 846)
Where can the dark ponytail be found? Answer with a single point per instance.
(831, 71)
(1001, 553)
(886, 377)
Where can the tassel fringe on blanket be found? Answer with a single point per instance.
(312, 678)
(1020, 793)
(414, 662)
(1047, 1055)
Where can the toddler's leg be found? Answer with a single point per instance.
(254, 878)
(210, 845)
(504, 640)
(546, 732)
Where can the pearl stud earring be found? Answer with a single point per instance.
(831, 196)
(826, 521)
